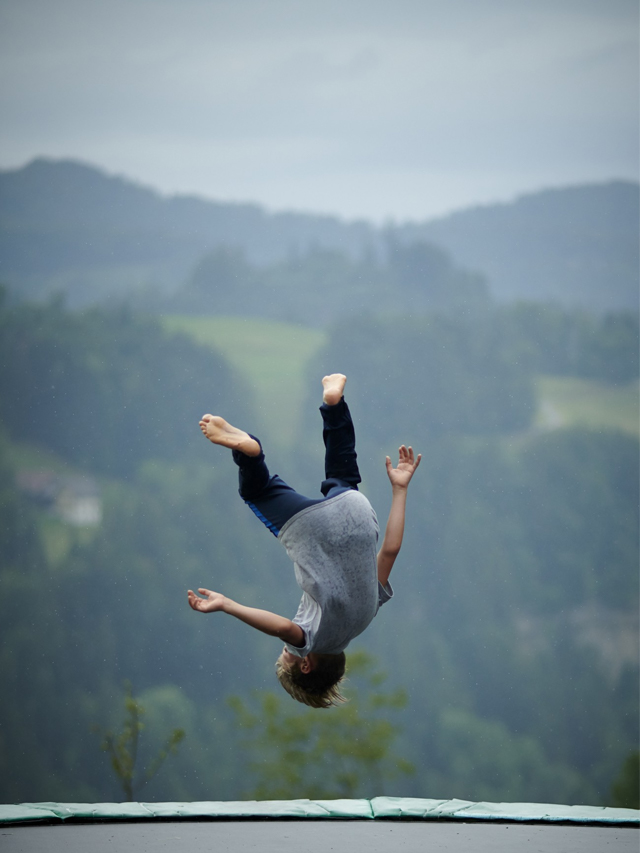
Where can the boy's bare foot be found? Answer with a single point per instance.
(218, 431)
(333, 388)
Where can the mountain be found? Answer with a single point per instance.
(70, 227)
(577, 246)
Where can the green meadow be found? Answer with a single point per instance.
(272, 358)
(569, 401)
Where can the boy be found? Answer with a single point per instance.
(332, 542)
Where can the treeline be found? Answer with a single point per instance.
(116, 390)
(564, 342)
(67, 226)
(106, 389)
(578, 245)
(452, 375)
(84, 610)
(517, 579)
(409, 281)
(321, 285)
(518, 568)
(108, 394)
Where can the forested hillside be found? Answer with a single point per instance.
(324, 285)
(513, 631)
(68, 227)
(577, 246)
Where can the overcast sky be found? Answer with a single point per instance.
(400, 109)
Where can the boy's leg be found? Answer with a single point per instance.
(270, 498)
(341, 466)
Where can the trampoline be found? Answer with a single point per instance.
(316, 826)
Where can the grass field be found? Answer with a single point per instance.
(271, 357)
(568, 401)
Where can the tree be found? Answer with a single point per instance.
(625, 792)
(123, 748)
(344, 752)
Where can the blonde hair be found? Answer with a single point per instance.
(318, 688)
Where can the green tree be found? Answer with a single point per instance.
(123, 747)
(625, 792)
(116, 388)
(439, 374)
(346, 752)
(426, 275)
(570, 342)
(475, 758)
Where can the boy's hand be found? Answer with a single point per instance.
(212, 601)
(400, 477)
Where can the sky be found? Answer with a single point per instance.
(387, 110)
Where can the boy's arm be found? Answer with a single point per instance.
(262, 620)
(399, 478)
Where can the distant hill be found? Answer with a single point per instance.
(67, 226)
(578, 245)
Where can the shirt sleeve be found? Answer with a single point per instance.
(385, 593)
(308, 618)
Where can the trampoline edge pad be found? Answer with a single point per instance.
(408, 808)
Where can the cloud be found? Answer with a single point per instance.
(315, 106)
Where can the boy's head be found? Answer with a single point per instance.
(313, 680)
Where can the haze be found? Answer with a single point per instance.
(380, 110)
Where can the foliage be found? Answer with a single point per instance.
(568, 342)
(317, 287)
(491, 763)
(442, 375)
(625, 792)
(69, 225)
(123, 747)
(113, 388)
(424, 277)
(576, 245)
(513, 630)
(342, 753)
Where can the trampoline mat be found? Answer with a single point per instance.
(315, 836)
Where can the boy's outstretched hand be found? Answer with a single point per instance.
(400, 477)
(209, 604)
